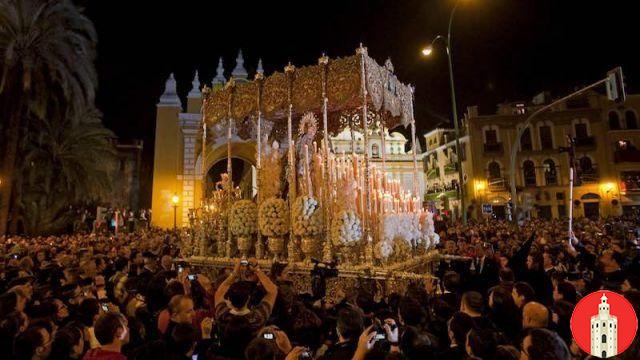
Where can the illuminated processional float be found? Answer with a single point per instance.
(311, 202)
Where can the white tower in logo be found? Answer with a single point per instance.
(604, 331)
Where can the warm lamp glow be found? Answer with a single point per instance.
(175, 199)
(607, 187)
(480, 185)
(427, 51)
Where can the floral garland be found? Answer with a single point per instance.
(307, 217)
(273, 217)
(346, 229)
(244, 216)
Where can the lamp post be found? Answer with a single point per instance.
(454, 108)
(175, 200)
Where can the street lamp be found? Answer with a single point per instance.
(175, 200)
(427, 51)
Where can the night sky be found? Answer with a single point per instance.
(503, 50)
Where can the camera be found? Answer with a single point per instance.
(105, 307)
(244, 262)
(180, 269)
(305, 355)
(191, 277)
(268, 336)
(319, 274)
(381, 334)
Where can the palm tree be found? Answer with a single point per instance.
(47, 48)
(65, 162)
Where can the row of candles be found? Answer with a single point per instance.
(386, 195)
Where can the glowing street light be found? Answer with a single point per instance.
(427, 51)
(175, 200)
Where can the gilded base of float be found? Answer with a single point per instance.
(389, 279)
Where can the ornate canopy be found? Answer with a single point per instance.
(388, 98)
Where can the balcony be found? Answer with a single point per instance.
(497, 184)
(588, 142)
(495, 148)
(433, 173)
(450, 168)
(629, 155)
(588, 176)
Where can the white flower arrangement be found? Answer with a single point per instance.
(244, 218)
(429, 235)
(307, 216)
(384, 249)
(405, 226)
(346, 229)
(273, 217)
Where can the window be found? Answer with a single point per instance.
(559, 196)
(631, 119)
(375, 150)
(614, 120)
(562, 211)
(604, 338)
(585, 164)
(546, 141)
(525, 140)
(529, 173)
(490, 136)
(581, 131)
(550, 175)
(494, 170)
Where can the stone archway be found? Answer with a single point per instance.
(243, 158)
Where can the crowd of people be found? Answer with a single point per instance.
(131, 297)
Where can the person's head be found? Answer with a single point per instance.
(68, 343)
(239, 294)
(458, 327)
(544, 344)
(507, 352)
(506, 274)
(481, 344)
(632, 282)
(472, 303)
(181, 309)
(504, 261)
(262, 349)
(13, 323)
(111, 329)
(535, 315)
(88, 311)
(417, 344)
(33, 343)
(451, 281)
(410, 312)
(548, 260)
(183, 339)
(165, 262)
(564, 290)
(609, 260)
(501, 302)
(10, 302)
(236, 335)
(522, 293)
(534, 261)
(350, 323)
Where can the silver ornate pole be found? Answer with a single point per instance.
(259, 78)
(414, 148)
(327, 253)
(362, 51)
(292, 249)
(231, 85)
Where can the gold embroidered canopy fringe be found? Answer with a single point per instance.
(387, 97)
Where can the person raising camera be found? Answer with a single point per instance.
(232, 298)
